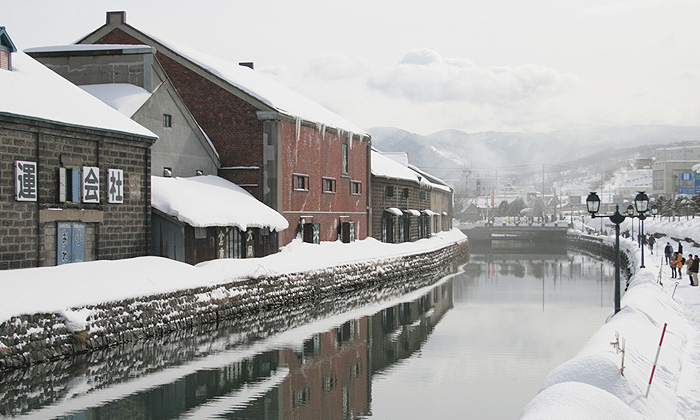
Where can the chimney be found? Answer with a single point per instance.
(116, 17)
(6, 50)
(249, 64)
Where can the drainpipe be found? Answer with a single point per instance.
(368, 190)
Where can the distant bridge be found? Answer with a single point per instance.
(517, 236)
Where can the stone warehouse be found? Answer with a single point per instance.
(407, 203)
(75, 173)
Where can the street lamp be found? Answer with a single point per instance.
(593, 206)
(641, 201)
(654, 210)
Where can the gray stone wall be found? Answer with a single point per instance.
(32, 339)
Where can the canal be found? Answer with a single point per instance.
(478, 344)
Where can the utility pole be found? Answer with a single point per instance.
(544, 203)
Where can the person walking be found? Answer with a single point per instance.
(651, 242)
(680, 262)
(672, 264)
(668, 251)
(694, 270)
(688, 266)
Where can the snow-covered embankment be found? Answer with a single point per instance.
(596, 385)
(57, 312)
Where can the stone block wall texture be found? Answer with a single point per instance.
(33, 339)
(381, 201)
(26, 240)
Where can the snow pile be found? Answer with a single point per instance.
(54, 289)
(124, 97)
(32, 90)
(680, 228)
(226, 204)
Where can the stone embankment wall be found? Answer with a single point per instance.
(31, 339)
(598, 246)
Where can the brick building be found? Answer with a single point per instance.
(407, 203)
(307, 163)
(75, 173)
(441, 200)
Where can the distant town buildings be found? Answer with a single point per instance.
(673, 172)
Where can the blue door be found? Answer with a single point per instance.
(70, 242)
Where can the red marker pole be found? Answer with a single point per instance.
(653, 369)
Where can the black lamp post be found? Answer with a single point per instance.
(641, 201)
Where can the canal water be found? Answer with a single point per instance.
(476, 345)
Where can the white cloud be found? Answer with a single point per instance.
(424, 76)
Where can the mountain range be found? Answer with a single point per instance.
(447, 154)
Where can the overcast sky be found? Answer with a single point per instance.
(425, 66)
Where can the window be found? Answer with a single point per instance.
(235, 243)
(355, 188)
(676, 175)
(200, 233)
(301, 397)
(424, 195)
(167, 120)
(328, 185)
(389, 190)
(345, 158)
(405, 193)
(300, 182)
(69, 185)
(658, 180)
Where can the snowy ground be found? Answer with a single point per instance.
(590, 386)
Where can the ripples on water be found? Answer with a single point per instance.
(476, 345)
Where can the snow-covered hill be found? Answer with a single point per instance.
(447, 153)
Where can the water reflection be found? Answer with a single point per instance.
(453, 350)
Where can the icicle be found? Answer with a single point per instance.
(350, 136)
(298, 132)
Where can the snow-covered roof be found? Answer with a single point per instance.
(394, 211)
(385, 167)
(33, 91)
(124, 97)
(434, 181)
(125, 48)
(268, 91)
(208, 200)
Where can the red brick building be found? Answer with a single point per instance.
(304, 161)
